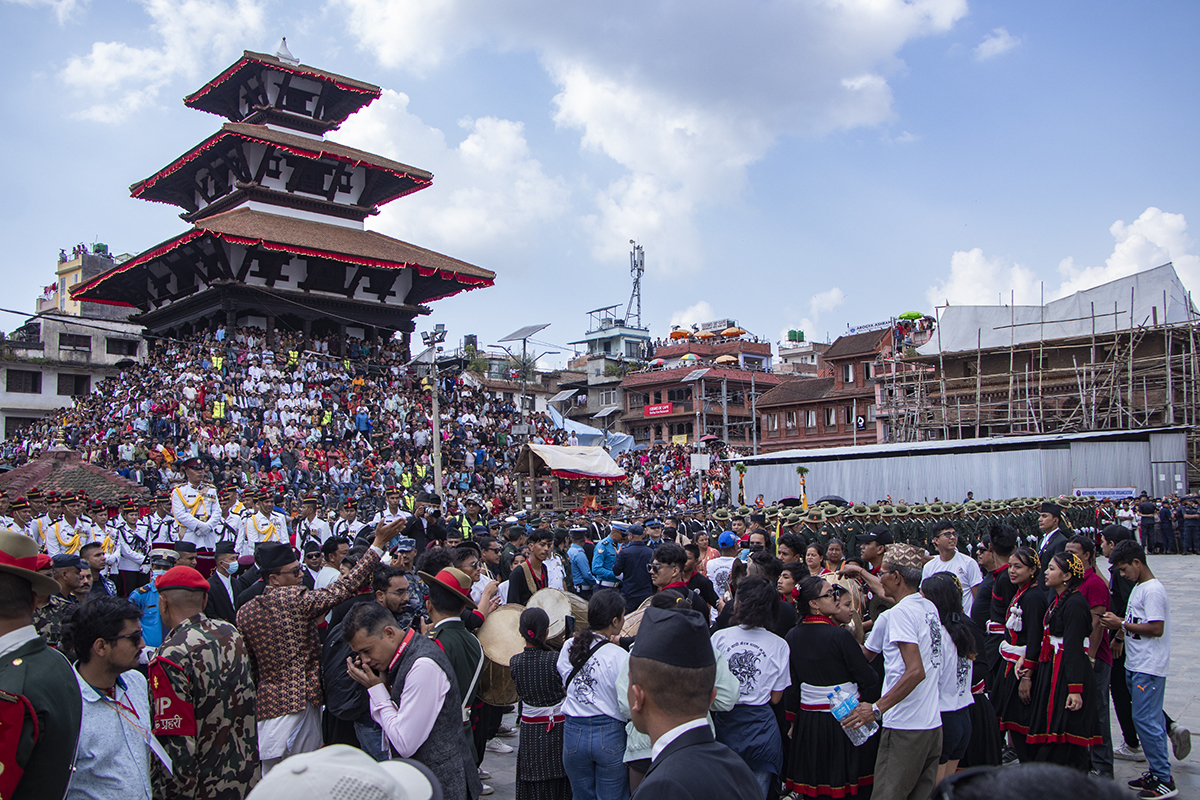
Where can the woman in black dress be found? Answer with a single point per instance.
(1065, 719)
(540, 773)
(824, 762)
(1021, 649)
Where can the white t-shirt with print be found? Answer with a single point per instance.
(594, 690)
(718, 572)
(758, 659)
(954, 682)
(963, 566)
(1148, 602)
(914, 620)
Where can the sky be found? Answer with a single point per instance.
(790, 164)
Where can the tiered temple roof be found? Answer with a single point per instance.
(277, 215)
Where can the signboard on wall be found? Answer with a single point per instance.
(701, 462)
(657, 409)
(1106, 492)
(679, 438)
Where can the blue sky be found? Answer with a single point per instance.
(787, 164)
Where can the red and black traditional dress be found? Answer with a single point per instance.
(1055, 734)
(1023, 637)
(540, 772)
(823, 762)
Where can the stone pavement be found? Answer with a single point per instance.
(1180, 574)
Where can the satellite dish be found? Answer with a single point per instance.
(283, 54)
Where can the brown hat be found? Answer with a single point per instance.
(903, 555)
(19, 557)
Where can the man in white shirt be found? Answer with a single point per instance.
(1146, 632)
(718, 569)
(910, 637)
(310, 526)
(333, 550)
(949, 559)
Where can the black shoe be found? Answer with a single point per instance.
(1144, 781)
(1158, 789)
(1009, 756)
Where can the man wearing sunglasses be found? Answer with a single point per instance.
(115, 742)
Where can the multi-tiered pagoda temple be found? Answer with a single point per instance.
(277, 214)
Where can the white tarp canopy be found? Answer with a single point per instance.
(616, 443)
(570, 462)
(1156, 293)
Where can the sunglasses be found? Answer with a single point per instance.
(134, 637)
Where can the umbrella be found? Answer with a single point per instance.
(789, 502)
(832, 498)
(706, 335)
(679, 334)
(689, 357)
(733, 331)
(658, 362)
(710, 438)
(911, 315)
(726, 359)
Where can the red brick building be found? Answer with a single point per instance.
(836, 408)
(660, 405)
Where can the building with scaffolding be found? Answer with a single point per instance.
(1120, 356)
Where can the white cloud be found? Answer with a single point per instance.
(486, 190)
(976, 280)
(694, 315)
(828, 300)
(194, 34)
(997, 42)
(63, 9)
(684, 97)
(1151, 240)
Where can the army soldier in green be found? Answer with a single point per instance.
(203, 696)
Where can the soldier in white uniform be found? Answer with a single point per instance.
(261, 525)
(348, 524)
(19, 521)
(310, 527)
(45, 513)
(393, 511)
(194, 507)
(132, 546)
(5, 518)
(230, 520)
(67, 535)
(160, 525)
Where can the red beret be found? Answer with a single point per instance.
(181, 578)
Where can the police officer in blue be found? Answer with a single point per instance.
(654, 532)
(146, 598)
(605, 556)
(633, 567)
(581, 572)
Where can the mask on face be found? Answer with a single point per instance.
(155, 572)
(233, 567)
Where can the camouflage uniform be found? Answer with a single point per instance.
(48, 620)
(201, 673)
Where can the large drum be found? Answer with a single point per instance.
(500, 637)
(633, 620)
(579, 611)
(557, 605)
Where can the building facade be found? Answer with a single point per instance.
(679, 405)
(835, 408)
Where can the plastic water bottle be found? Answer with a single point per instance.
(841, 704)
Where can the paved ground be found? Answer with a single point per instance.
(1178, 573)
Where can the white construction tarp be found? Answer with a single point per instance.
(572, 462)
(1156, 294)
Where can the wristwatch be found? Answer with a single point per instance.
(877, 713)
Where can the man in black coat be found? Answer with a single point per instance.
(222, 589)
(672, 672)
(633, 568)
(1054, 538)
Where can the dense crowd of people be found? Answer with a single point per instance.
(250, 616)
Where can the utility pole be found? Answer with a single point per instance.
(725, 410)
(437, 431)
(753, 416)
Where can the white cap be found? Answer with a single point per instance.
(341, 772)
